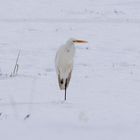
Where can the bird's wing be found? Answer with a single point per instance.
(60, 82)
(56, 59)
(68, 79)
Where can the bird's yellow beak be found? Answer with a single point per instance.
(80, 41)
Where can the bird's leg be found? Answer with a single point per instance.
(65, 90)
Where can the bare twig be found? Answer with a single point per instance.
(15, 71)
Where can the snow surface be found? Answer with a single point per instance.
(103, 101)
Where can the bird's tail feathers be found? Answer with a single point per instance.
(64, 82)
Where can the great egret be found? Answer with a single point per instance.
(64, 62)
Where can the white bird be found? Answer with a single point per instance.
(64, 62)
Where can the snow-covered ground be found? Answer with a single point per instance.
(103, 101)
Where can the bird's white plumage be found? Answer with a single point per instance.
(64, 61)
